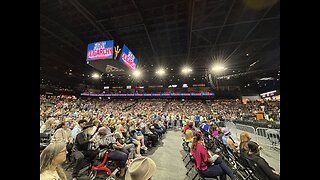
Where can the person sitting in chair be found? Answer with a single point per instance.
(120, 145)
(188, 137)
(206, 164)
(50, 160)
(228, 141)
(116, 153)
(244, 139)
(263, 170)
(81, 147)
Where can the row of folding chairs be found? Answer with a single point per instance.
(242, 167)
(192, 172)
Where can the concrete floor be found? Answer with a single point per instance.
(169, 159)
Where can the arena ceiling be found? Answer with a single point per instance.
(242, 34)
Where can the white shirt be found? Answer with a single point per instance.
(49, 175)
(75, 131)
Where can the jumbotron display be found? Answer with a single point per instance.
(151, 95)
(127, 58)
(100, 50)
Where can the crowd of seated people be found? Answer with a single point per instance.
(208, 165)
(54, 155)
(187, 110)
(148, 107)
(226, 109)
(236, 110)
(128, 127)
(81, 124)
(247, 152)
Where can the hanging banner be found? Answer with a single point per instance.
(100, 50)
(128, 58)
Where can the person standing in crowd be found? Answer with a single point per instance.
(50, 159)
(142, 168)
(206, 164)
(197, 121)
(180, 120)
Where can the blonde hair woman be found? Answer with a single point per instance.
(50, 159)
(244, 139)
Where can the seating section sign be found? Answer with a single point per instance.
(128, 58)
(100, 50)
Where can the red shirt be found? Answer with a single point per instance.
(200, 154)
(185, 128)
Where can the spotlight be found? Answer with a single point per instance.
(95, 76)
(160, 72)
(186, 70)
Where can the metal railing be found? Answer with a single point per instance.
(268, 139)
(230, 125)
(273, 135)
(263, 136)
(249, 129)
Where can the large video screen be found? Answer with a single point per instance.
(128, 58)
(100, 50)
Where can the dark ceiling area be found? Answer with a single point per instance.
(241, 34)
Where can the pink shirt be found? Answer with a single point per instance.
(214, 133)
(200, 154)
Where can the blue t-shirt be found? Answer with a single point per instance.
(224, 140)
(197, 118)
(205, 127)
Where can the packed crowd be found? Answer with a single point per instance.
(151, 90)
(148, 107)
(127, 127)
(236, 110)
(85, 126)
